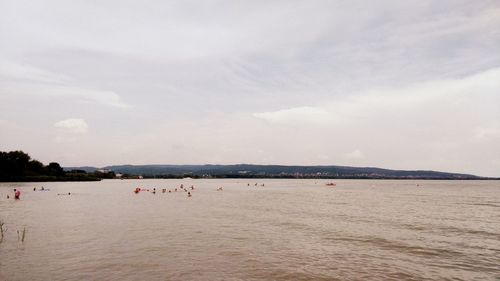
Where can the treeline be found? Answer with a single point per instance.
(18, 166)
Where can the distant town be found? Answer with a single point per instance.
(268, 171)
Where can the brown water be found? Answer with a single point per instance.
(287, 230)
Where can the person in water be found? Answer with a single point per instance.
(189, 194)
(17, 194)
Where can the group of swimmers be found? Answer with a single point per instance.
(164, 190)
(17, 194)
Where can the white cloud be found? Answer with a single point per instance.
(19, 71)
(45, 90)
(296, 114)
(19, 79)
(444, 94)
(73, 125)
(108, 98)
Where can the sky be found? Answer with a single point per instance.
(395, 84)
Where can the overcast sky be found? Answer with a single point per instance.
(392, 84)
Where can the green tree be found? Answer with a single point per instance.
(54, 169)
(14, 163)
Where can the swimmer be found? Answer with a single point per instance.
(169, 191)
(17, 194)
(164, 190)
(175, 189)
(34, 188)
(192, 187)
(189, 194)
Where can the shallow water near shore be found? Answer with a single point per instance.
(284, 230)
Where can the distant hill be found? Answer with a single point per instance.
(276, 171)
(87, 169)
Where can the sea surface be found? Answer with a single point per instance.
(284, 230)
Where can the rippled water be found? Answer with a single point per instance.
(286, 230)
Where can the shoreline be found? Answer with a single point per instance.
(235, 178)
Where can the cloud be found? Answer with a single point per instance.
(44, 90)
(25, 72)
(371, 105)
(108, 98)
(73, 125)
(296, 114)
(17, 79)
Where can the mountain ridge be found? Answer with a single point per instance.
(276, 171)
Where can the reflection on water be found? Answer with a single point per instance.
(286, 230)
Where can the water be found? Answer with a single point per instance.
(286, 230)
